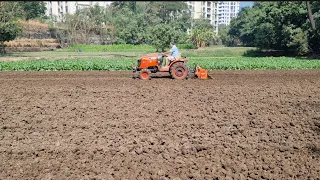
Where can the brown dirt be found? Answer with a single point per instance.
(105, 125)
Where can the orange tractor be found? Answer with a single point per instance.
(177, 68)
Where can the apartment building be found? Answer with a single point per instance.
(204, 9)
(218, 12)
(227, 10)
(58, 9)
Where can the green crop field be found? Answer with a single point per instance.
(121, 57)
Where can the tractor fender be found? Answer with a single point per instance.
(176, 61)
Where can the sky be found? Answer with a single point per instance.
(246, 3)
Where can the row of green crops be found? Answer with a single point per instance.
(241, 63)
(70, 65)
(223, 52)
(248, 63)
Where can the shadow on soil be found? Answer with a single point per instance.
(167, 77)
(161, 77)
(316, 125)
(278, 53)
(313, 148)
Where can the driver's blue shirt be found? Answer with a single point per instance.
(174, 51)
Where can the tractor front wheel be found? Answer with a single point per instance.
(179, 70)
(145, 74)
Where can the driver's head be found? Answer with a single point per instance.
(171, 44)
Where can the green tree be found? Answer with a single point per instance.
(265, 37)
(202, 37)
(169, 12)
(225, 38)
(33, 9)
(160, 36)
(128, 27)
(281, 25)
(119, 4)
(202, 33)
(314, 20)
(297, 40)
(85, 23)
(9, 28)
(133, 19)
(129, 22)
(243, 27)
(201, 24)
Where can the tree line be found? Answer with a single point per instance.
(124, 22)
(138, 22)
(289, 26)
(11, 12)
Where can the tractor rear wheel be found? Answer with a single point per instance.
(145, 74)
(179, 70)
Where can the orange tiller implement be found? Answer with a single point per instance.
(177, 68)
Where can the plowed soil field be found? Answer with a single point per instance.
(105, 125)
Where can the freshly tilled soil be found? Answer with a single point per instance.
(105, 125)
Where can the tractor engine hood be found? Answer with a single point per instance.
(154, 57)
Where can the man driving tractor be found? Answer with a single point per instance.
(174, 53)
(176, 65)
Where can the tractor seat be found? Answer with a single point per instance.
(179, 57)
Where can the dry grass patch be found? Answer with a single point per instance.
(25, 42)
(34, 26)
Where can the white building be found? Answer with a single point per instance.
(218, 12)
(204, 9)
(227, 10)
(58, 9)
